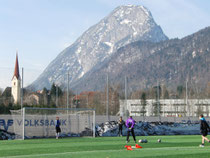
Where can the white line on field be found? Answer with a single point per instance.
(78, 152)
(64, 153)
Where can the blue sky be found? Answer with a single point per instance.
(41, 29)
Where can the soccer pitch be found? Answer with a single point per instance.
(105, 147)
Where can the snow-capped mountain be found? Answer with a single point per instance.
(124, 25)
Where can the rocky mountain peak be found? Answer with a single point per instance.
(122, 26)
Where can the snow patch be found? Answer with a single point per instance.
(135, 33)
(126, 21)
(193, 54)
(130, 5)
(82, 74)
(111, 49)
(78, 50)
(79, 61)
(109, 44)
(50, 79)
(145, 10)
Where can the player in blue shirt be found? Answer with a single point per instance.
(204, 129)
(57, 127)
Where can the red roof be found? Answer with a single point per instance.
(85, 94)
(16, 72)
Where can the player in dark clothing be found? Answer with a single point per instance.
(57, 127)
(204, 128)
(120, 123)
(130, 127)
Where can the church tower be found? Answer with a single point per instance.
(16, 83)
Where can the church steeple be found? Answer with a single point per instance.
(16, 82)
(16, 72)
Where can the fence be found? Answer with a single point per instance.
(7, 123)
(102, 119)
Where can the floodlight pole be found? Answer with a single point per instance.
(158, 99)
(126, 94)
(67, 100)
(67, 97)
(21, 99)
(76, 99)
(94, 120)
(186, 98)
(126, 88)
(23, 122)
(56, 95)
(107, 103)
(87, 100)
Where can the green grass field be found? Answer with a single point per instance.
(105, 147)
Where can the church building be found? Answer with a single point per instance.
(16, 83)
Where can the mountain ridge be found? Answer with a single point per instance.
(170, 62)
(123, 25)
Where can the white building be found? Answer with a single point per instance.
(165, 107)
(16, 83)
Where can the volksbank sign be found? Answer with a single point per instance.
(80, 122)
(6, 123)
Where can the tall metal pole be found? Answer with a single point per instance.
(67, 97)
(23, 120)
(56, 95)
(67, 100)
(126, 88)
(158, 96)
(126, 95)
(107, 97)
(21, 101)
(186, 98)
(87, 100)
(76, 99)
